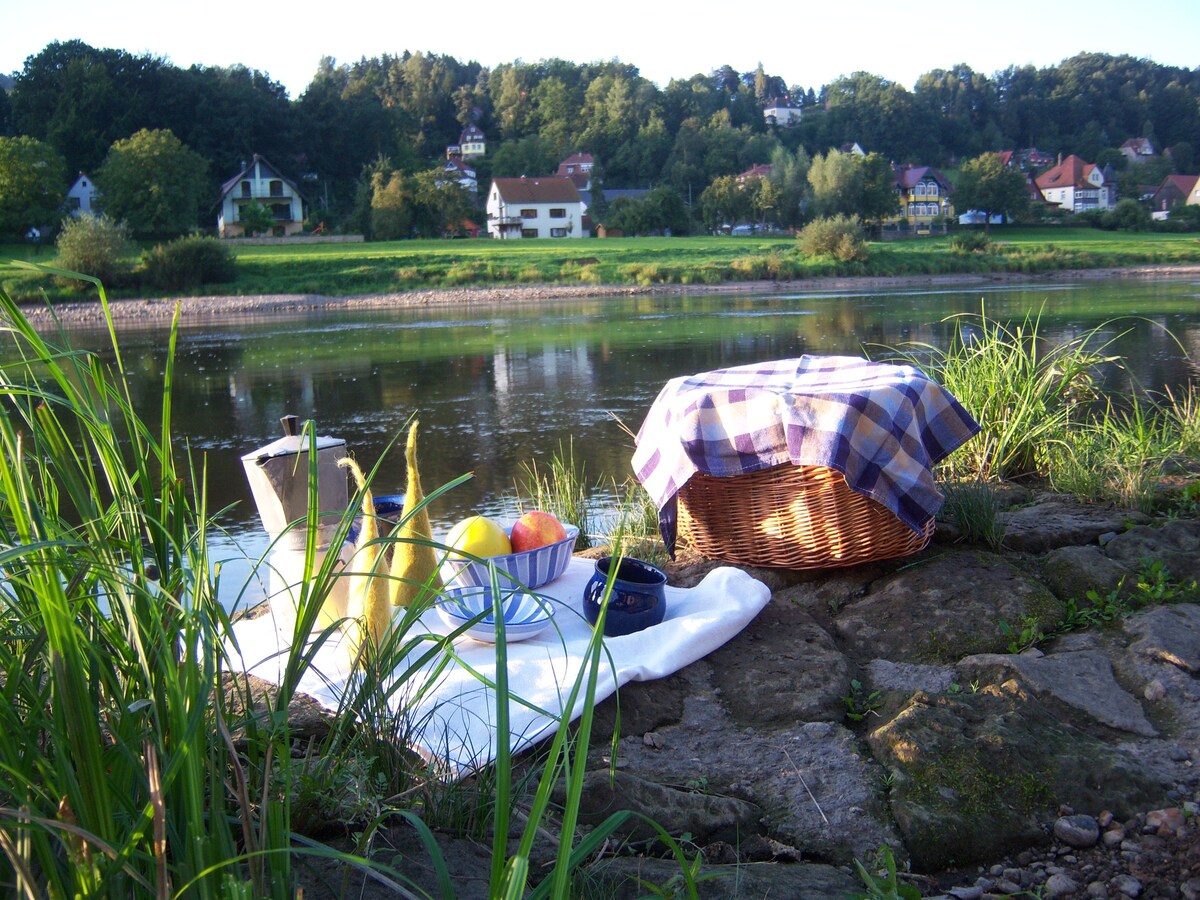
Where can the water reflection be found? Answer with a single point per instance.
(499, 387)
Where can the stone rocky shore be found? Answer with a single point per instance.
(1068, 771)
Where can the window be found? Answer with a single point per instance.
(920, 190)
(558, 213)
(276, 188)
(246, 189)
(933, 190)
(282, 212)
(529, 214)
(558, 232)
(529, 232)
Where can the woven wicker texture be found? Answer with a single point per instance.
(795, 517)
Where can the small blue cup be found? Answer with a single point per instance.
(638, 598)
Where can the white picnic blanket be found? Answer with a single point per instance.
(454, 719)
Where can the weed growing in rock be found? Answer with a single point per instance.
(859, 703)
(881, 880)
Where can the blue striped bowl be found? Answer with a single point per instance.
(530, 569)
(525, 615)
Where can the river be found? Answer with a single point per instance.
(499, 388)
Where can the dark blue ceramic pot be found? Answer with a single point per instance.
(638, 598)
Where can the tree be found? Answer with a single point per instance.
(878, 200)
(255, 218)
(985, 183)
(154, 183)
(32, 178)
(836, 180)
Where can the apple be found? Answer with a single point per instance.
(536, 529)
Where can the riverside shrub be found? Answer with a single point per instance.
(189, 262)
(838, 236)
(96, 246)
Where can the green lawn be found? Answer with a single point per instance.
(345, 269)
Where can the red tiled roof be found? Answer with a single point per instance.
(758, 170)
(537, 190)
(1071, 171)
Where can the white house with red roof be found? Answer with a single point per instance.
(534, 208)
(577, 167)
(1077, 186)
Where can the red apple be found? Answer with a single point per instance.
(536, 529)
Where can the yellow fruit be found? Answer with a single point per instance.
(479, 536)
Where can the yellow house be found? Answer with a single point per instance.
(924, 196)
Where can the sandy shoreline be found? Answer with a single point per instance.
(209, 308)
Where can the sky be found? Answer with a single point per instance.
(806, 42)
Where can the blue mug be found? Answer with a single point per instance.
(638, 598)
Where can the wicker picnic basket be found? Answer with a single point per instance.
(795, 517)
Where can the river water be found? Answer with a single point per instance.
(500, 387)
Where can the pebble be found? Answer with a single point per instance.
(966, 893)
(1060, 885)
(1190, 889)
(1166, 821)
(1097, 890)
(1154, 691)
(1077, 831)
(1127, 885)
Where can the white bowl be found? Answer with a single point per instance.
(530, 569)
(525, 615)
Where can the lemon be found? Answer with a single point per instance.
(479, 536)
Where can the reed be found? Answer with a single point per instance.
(137, 763)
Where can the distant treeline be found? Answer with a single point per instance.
(400, 112)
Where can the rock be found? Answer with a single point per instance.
(943, 610)
(1127, 885)
(1190, 889)
(308, 720)
(1168, 822)
(1154, 691)
(626, 878)
(975, 774)
(1081, 680)
(1168, 633)
(1175, 543)
(1077, 831)
(1060, 886)
(707, 817)
(784, 655)
(1054, 522)
(885, 675)
(1070, 572)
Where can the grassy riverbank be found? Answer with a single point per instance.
(339, 270)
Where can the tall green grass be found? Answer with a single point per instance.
(134, 765)
(1042, 415)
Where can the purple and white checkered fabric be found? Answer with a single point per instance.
(882, 426)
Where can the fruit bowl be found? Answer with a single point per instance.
(525, 615)
(530, 569)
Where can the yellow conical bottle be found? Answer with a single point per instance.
(414, 561)
(367, 602)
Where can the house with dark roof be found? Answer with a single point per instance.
(782, 111)
(578, 167)
(1137, 150)
(534, 208)
(923, 195)
(260, 182)
(471, 142)
(1174, 191)
(1077, 186)
(461, 173)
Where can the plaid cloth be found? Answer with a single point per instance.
(882, 426)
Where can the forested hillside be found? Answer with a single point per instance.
(398, 113)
